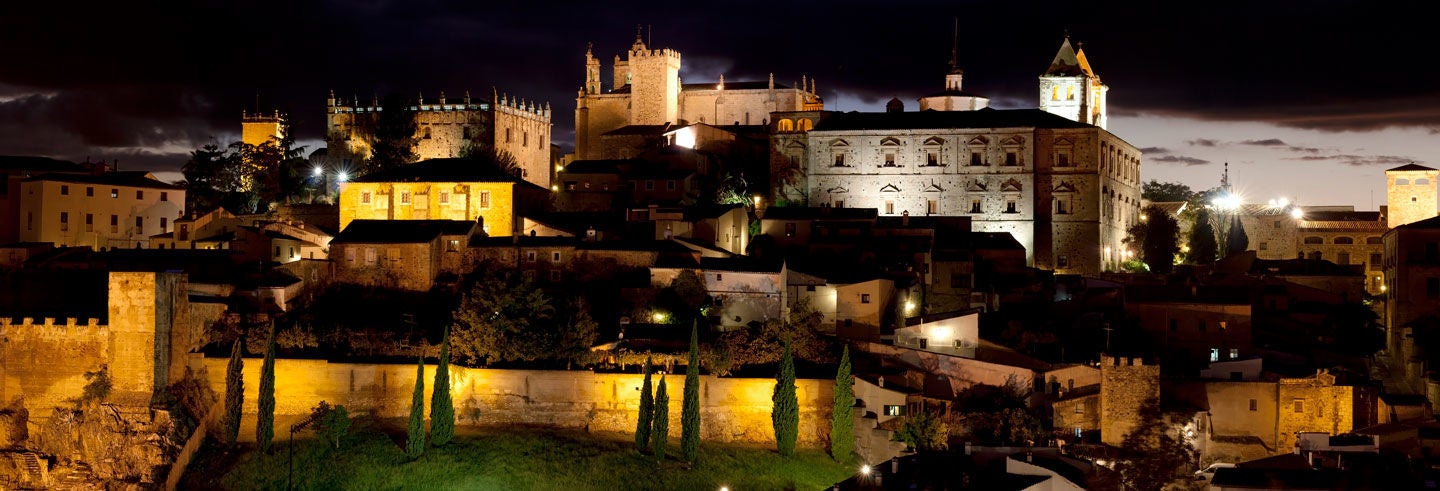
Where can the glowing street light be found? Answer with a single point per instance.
(319, 171)
(342, 176)
(1297, 213)
(865, 470)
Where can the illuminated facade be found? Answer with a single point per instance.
(1410, 194)
(440, 189)
(444, 129)
(112, 209)
(259, 129)
(646, 90)
(1070, 88)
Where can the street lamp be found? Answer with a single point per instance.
(342, 176)
(319, 171)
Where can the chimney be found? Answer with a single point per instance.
(881, 382)
(895, 466)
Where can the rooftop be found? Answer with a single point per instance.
(137, 179)
(441, 170)
(983, 118)
(818, 213)
(400, 231)
(1409, 167)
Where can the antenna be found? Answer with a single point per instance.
(257, 102)
(955, 44)
(649, 34)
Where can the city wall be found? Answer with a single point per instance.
(732, 409)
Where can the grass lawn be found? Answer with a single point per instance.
(509, 458)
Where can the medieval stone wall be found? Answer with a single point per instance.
(1126, 386)
(732, 409)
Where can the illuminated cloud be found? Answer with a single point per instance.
(1178, 159)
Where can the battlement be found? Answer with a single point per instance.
(1121, 361)
(7, 321)
(655, 53)
(276, 117)
(501, 103)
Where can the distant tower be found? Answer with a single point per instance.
(953, 98)
(1410, 190)
(592, 71)
(1071, 89)
(895, 106)
(258, 129)
(654, 84)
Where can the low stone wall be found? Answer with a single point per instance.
(732, 409)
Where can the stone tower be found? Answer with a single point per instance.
(259, 129)
(1126, 386)
(654, 78)
(1410, 190)
(1071, 89)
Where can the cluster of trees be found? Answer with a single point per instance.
(442, 407)
(1158, 236)
(246, 178)
(504, 316)
(652, 430)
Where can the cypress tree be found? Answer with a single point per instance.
(662, 420)
(842, 426)
(785, 415)
(647, 410)
(1202, 239)
(415, 438)
(442, 404)
(234, 394)
(690, 407)
(265, 420)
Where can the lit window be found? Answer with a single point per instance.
(790, 229)
(365, 197)
(894, 410)
(1214, 354)
(114, 193)
(404, 197)
(864, 298)
(452, 246)
(1234, 353)
(1299, 405)
(484, 200)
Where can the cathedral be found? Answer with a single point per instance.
(646, 94)
(444, 128)
(1053, 177)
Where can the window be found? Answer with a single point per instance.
(163, 222)
(1012, 158)
(1345, 240)
(393, 254)
(1062, 159)
(932, 207)
(1214, 354)
(839, 203)
(975, 206)
(554, 256)
(1277, 224)
(444, 197)
(90, 192)
(1432, 287)
(894, 410)
(719, 276)
(1264, 246)
(452, 245)
(1079, 408)
(114, 193)
(975, 159)
(1299, 405)
(89, 222)
(427, 133)
(364, 197)
(670, 185)
(64, 221)
(64, 190)
(164, 196)
(789, 229)
(889, 160)
(484, 201)
(139, 225)
(1422, 182)
(465, 132)
(889, 207)
(1374, 240)
(1234, 353)
(277, 251)
(1314, 240)
(1402, 182)
(139, 194)
(530, 256)
(864, 298)
(1010, 207)
(507, 135)
(555, 275)
(932, 159)
(1062, 261)
(114, 224)
(839, 160)
(404, 197)
(1254, 405)
(370, 256)
(1342, 258)
(350, 255)
(1377, 262)
(1060, 208)
(958, 280)
(649, 185)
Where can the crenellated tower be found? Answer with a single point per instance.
(654, 84)
(1071, 89)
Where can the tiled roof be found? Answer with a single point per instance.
(137, 179)
(400, 231)
(818, 213)
(1409, 167)
(983, 118)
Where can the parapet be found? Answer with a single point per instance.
(7, 322)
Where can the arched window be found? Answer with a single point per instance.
(786, 125)
(1373, 240)
(1069, 92)
(1314, 240)
(806, 125)
(1055, 93)
(1344, 240)
(1422, 182)
(1402, 182)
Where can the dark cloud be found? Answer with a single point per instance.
(121, 75)
(1357, 160)
(1179, 159)
(1202, 142)
(1154, 150)
(1269, 142)
(1296, 149)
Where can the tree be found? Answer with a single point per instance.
(393, 139)
(766, 344)
(415, 437)
(1157, 454)
(442, 403)
(1202, 239)
(661, 434)
(1158, 238)
(995, 415)
(330, 424)
(1161, 192)
(488, 159)
(265, 420)
(234, 394)
(577, 332)
(785, 413)
(1236, 241)
(647, 412)
(690, 408)
(504, 317)
(924, 433)
(842, 424)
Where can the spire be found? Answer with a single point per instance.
(955, 48)
(639, 44)
(1066, 63)
(772, 80)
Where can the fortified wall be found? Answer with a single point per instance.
(731, 409)
(1126, 386)
(44, 360)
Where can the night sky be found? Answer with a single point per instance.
(1309, 100)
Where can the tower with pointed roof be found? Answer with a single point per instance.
(953, 98)
(1410, 194)
(1071, 89)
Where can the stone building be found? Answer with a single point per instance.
(1410, 192)
(406, 255)
(646, 91)
(445, 129)
(1412, 273)
(98, 210)
(441, 189)
(1126, 386)
(1071, 89)
(13, 172)
(259, 129)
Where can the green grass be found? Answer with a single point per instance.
(509, 458)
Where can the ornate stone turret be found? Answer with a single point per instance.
(1071, 89)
